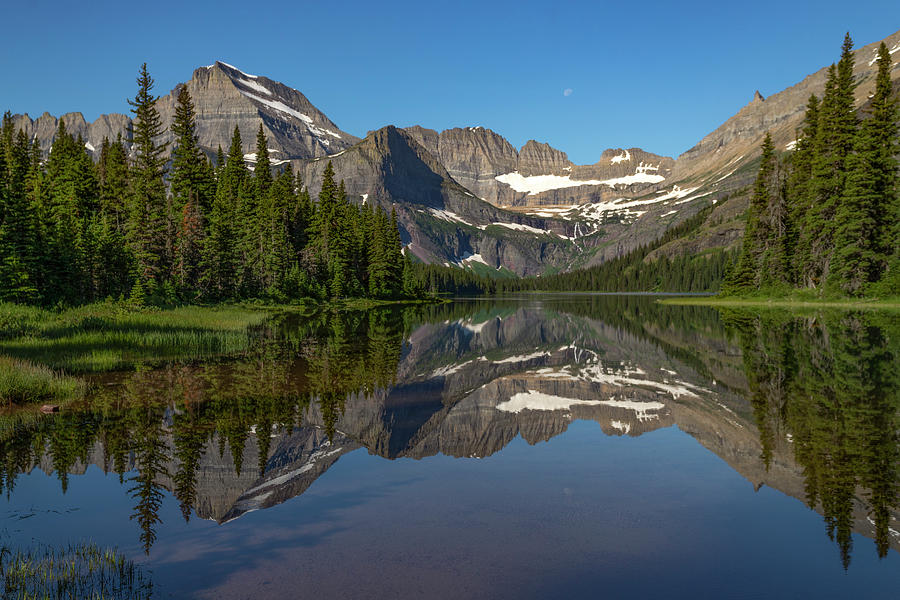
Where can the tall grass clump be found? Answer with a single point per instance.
(22, 382)
(76, 571)
(109, 336)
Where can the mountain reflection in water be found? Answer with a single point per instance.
(806, 404)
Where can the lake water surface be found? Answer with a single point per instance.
(566, 446)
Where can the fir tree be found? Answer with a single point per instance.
(883, 146)
(834, 142)
(220, 253)
(148, 233)
(191, 176)
(758, 232)
(114, 181)
(801, 194)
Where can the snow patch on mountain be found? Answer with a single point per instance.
(675, 194)
(446, 215)
(284, 108)
(892, 51)
(620, 158)
(527, 228)
(254, 86)
(522, 358)
(641, 409)
(623, 427)
(251, 157)
(234, 68)
(535, 184)
(535, 400)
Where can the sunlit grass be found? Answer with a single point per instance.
(794, 302)
(107, 336)
(22, 382)
(77, 571)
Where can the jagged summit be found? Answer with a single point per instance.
(757, 97)
(224, 97)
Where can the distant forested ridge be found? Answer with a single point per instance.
(137, 226)
(637, 271)
(826, 217)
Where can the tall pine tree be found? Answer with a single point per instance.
(151, 239)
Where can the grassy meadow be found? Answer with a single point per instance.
(42, 352)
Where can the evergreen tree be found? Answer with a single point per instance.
(758, 233)
(276, 251)
(800, 192)
(17, 228)
(191, 176)
(192, 187)
(834, 142)
(220, 252)
(882, 145)
(114, 181)
(151, 238)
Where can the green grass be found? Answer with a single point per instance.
(798, 302)
(77, 571)
(107, 336)
(22, 382)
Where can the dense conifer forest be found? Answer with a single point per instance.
(136, 226)
(636, 271)
(826, 217)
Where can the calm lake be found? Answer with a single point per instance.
(547, 446)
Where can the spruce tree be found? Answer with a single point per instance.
(746, 275)
(114, 182)
(220, 253)
(17, 228)
(883, 148)
(799, 192)
(151, 239)
(191, 177)
(834, 142)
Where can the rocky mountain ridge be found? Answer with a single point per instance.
(224, 97)
(486, 163)
(540, 212)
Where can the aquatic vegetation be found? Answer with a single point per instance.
(23, 382)
(108, 336)
(76, 571)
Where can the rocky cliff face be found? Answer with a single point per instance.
(739, 138)
(43, 129)
(224, 97)
(441, 221)
(537, 174)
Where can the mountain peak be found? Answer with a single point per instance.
(757, 97)
(231, 69)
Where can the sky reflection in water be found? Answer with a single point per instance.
(682, 463)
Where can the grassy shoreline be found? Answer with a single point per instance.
(44, 353)
(785, 302)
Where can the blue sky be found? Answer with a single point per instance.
(656, 75)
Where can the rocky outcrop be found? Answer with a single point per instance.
(737, 141)
(476, 157)
(224, 97)
(43, 129)
(441, 221)
(536, 158)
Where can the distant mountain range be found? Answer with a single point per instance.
(468, 197)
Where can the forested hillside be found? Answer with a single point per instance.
(826, 217)
(159, 226)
